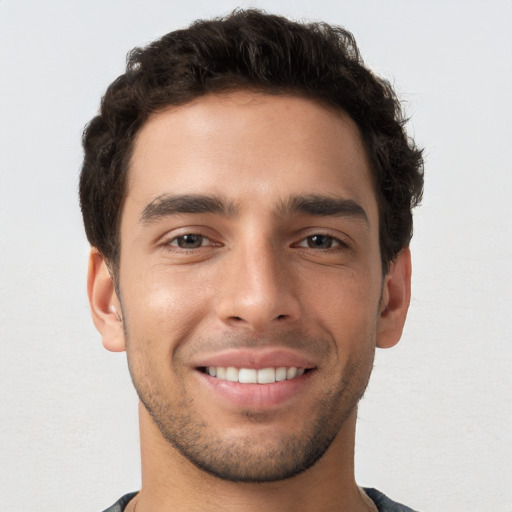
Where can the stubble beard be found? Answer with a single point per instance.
(244, 459)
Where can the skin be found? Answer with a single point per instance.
(259, 276)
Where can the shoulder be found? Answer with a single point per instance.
(119, 505)
(384, 504)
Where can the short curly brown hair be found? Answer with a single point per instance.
(249, 49)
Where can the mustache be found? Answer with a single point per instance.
(293, 340)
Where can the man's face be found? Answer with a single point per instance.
(250, 251)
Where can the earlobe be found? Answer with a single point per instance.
(396, 295)
(104, 303)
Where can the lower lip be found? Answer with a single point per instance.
(256, 396)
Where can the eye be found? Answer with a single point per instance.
(190, 241)
(319, 241)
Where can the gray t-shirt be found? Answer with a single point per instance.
(383, 503)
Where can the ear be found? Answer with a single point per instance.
(396, 295)
(104, 303)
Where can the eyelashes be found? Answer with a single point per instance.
(317, 241)
(190, 241)
(321, 241)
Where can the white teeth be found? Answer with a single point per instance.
(253, 376)
(291, 372)
(280, 374)
(266, 376)
(248, 376)
(232, 374)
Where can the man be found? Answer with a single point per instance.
(247, 191)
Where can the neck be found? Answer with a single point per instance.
(171, 482)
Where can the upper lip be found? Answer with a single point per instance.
(255, 358)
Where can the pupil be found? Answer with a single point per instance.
(320, 241)
(190, 241)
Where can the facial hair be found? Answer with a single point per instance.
(271, 456)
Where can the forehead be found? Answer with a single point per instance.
(250, 147)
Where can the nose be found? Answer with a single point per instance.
(258, 289)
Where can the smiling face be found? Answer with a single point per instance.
(250, 281)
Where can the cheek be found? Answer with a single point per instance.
(346, 304)
(162, 307)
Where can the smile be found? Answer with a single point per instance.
(253, 376)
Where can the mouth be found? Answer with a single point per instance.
(268, 375)
(258, 380)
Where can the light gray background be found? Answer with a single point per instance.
(435, 425)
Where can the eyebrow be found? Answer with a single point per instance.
(315, 205)
(323, 206)
(167, 204)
